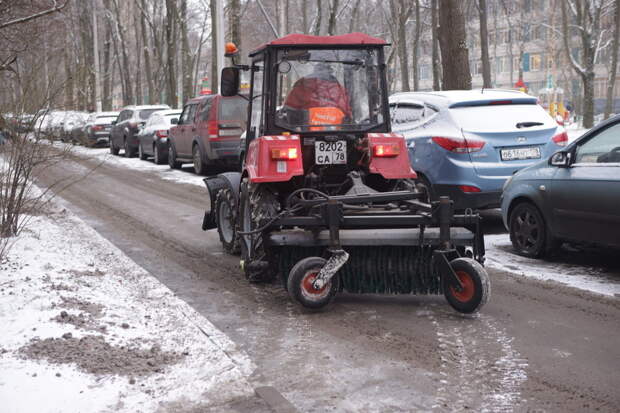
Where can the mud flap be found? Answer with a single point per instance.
(214, 185)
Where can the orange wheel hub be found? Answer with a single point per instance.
(308, 284)
(468, 287)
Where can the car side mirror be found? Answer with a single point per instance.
(174, 121)
(560, 159)
(230, 81)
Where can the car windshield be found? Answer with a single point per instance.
(337, 90)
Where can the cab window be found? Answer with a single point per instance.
(602, 148)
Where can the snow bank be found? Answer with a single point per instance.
(63, 287)
(500, 255)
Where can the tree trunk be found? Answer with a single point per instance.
(171, 90)
(316, 30)
(452, 38)
(68, 82)
(128, 98)
(214, 75)
(186, 55)
(416, 47)
(588, 99)
(611, 79)
(147, 56)
(354, 15)
(484, 44)
(234, 22)
(304, 16)
(435, 48)
(107, 62)
(333, 11)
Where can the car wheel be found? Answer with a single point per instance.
(113, 149)
(141, 153)
(157, 155)
(425, 188)
(200, 167)
(129, 151)
(172, 159)
(528, 230)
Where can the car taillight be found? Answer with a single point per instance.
(97, 127)
(390, 150)
(469, 188)
(282, 154)
(458, 145)
(161, 133)
(561, 139)
(213, 129)
(133, 125)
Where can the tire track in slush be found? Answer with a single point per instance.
(480, 370)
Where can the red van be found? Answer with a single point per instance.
(208, 133)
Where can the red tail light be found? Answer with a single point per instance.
(161, 133)
(284, 154)
(459, 145)
(213, 129)
(97, 127)
(469, 188)
(561, 139)
(389, 150)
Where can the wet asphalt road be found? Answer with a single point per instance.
(535, 346)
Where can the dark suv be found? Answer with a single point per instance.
(208, 133)
(124, 130)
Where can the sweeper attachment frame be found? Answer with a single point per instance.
(326, 198)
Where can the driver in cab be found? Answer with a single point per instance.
(322, 96)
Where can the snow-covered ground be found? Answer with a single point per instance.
(162, 171)
(85, 329)
(574, 130)
(499, 255)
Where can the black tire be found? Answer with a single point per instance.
(141, 153)
(424, 187)
(172, 158)
(476, 286)
(113, 149)
(528, 231)
(300, 288)
(200, 166)
(157, 155)
(226, 218)
(129, 151)
(251, 247)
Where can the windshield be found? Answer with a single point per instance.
(336, 90)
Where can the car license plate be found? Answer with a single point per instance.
(520, 153)
(330, 153)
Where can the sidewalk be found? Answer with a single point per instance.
(85, 329)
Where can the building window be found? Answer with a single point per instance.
(535, 62)
(425, 72)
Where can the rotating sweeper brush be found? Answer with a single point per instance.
(326, 197)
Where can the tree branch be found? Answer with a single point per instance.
(55, 8)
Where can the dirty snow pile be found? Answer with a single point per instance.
(85, 329)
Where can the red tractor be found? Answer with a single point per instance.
(326, 197)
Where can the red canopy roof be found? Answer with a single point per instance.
(309, 40)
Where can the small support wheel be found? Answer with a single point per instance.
(476, 286)
(226, 216)
(301, 288)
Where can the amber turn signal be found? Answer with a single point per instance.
(284, 153)
(386, 150)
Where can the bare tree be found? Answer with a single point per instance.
(435, 45)
(400, 11)
(612, 71)
(584, 18)
(316, 29)
(454, 53)
(416, 46)
(484, 44)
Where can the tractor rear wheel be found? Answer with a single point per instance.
(476, 286)
(258, 205)
(226, 216)
(300, 284)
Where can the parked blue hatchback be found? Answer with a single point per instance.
(574, 196)
(466, 143)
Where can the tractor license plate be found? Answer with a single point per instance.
(520, 153)
(330, 153)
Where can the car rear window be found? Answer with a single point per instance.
(500, 117)
(145, 113)
(233, 109)
(105, 119)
